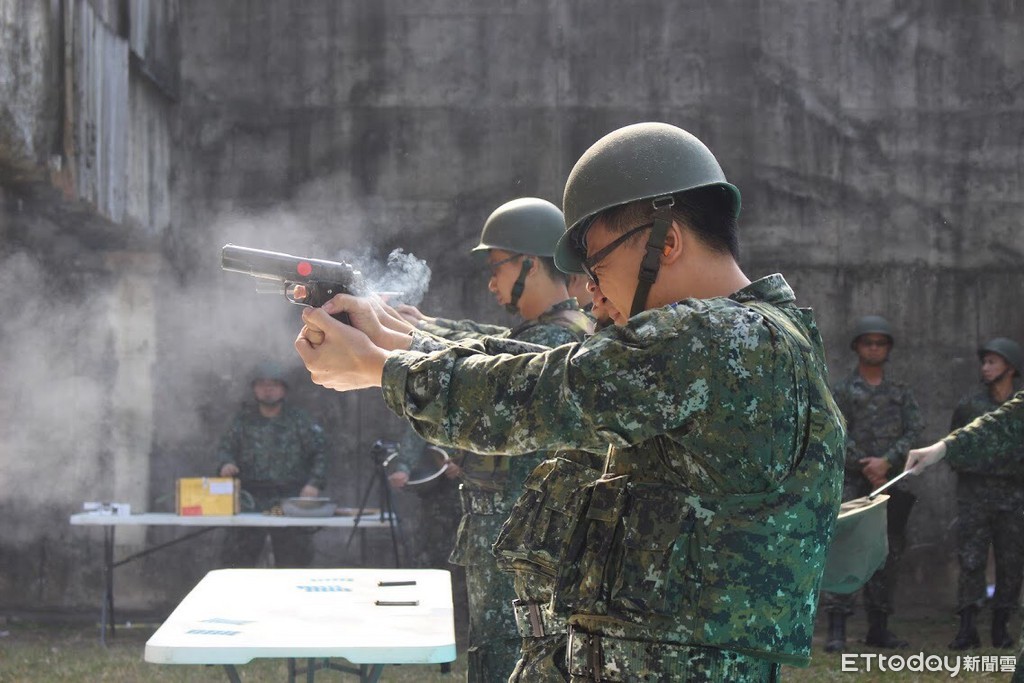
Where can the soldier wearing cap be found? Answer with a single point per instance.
(278, 451)
(990, 506)
(883, 422)
(698, 555)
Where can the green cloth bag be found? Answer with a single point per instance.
(859, 546)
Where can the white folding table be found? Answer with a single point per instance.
(371, 617)
(206, 523)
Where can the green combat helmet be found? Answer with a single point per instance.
(871, 324)
(642, 161)
(270, 370)
(1007, 348)
(527, 225)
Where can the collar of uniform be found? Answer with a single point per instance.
(855, 378)
(772, 289)
(569, 304)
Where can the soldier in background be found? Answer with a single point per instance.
(519, 241)
(985, 443)
(990, 505)
(882, 423)
(278, 451)
(440, 509)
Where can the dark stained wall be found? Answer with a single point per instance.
(877, 145)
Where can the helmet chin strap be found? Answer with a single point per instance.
(517, 288)
(652, 259)
(996, 380)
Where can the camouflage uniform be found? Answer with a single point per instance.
(440, 512)
(440, 506)
(990, 510)
(882, 421)
(699, 554)
(985, 443)
(277, 456)
(491, 484)
(457, 330)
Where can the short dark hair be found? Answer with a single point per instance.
(548, 264)
(706, 211)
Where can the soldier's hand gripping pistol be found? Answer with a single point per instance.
(303, 281)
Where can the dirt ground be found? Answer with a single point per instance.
(67, 648)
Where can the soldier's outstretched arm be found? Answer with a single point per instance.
(920, 458)
(984, 441)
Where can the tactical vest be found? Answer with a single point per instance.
(689, 567)
(542, 518)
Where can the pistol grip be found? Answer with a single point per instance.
(342, 317)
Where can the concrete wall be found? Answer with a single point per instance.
(84, 203)
(877, 146)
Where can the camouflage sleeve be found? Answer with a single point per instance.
(314, 444)
(490, 345)
(851, 464)
(622, 386)
(961, 415)
(457, 330)
(548, 336)
(229, 446)
(913, 426)
(984, 440)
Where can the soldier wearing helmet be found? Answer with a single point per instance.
(277, 451)
(518, 240)
(883, 422)
(987, 442)
(698, 554)
(990, 505)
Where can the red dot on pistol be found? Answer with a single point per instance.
(304, 268)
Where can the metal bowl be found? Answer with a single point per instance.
(308, 507)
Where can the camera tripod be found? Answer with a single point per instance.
(383, 452)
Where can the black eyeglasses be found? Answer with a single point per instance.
(591, 261)
(493, 267)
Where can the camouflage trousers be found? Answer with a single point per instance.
(1018, 674)
(542, 660)
(494, 641)
(984, 519)
(595, 657)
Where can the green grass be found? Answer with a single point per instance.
(60, 651)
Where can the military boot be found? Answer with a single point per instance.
(1000, 637)
(879, 634)
(836, 632)
(967, 636)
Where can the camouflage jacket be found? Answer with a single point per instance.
(499, 481)
(1011, 463)
(723, 478)
(276, 456)
(882, 421)
(565, 315)
(986, 441)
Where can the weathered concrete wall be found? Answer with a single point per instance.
(84, 202)
(877, 146)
